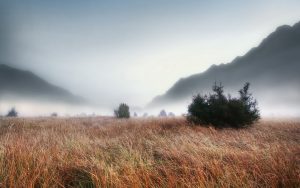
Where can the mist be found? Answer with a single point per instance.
(129, 51)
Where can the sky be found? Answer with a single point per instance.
(132, 50)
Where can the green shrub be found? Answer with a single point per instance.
(221, 111)
(122, 111)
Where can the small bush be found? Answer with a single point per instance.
(12, 113)
(122, 111)
(171, 114)
(221, 111)
(162, 113)
(54, 114)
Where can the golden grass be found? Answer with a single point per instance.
(105, 152)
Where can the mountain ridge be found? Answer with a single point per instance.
(273, 62)
(25, 85)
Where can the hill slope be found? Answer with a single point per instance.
(272, 68)
(24, 85)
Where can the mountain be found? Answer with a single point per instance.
(272, 68)
(17, 84)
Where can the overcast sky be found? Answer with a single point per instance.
(130, 51)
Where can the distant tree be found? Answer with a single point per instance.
(12, 113)
(135, 114)
(54, 114)
(221, 111)
(171, 114)
(162, 113)
(122, 111)
(145, 114)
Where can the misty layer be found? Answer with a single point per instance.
(272, 68)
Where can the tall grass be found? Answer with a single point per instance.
(105, 152)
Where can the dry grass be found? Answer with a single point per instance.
(105, 152)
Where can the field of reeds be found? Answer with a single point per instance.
(106, 152)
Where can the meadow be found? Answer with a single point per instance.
(153, 152)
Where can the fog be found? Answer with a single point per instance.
(110, 52)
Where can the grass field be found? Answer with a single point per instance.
(105, 152)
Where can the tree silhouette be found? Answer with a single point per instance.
(12, 113)
(221, 111)
(122, 111)
(162, 113)
(54, 114)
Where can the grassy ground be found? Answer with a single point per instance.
(105, 152)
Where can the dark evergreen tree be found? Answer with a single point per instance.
(221, 111)
(12, 113)
(122, 111)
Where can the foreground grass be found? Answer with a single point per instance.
(105, 152)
